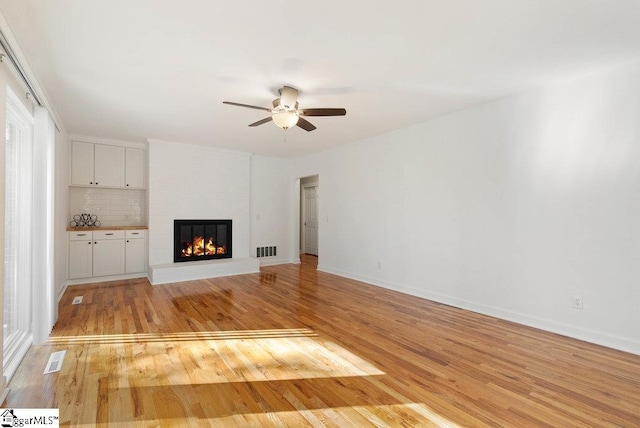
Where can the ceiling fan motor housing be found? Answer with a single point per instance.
(277, 106)
(288, 97)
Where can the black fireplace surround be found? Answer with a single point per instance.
(201, 240)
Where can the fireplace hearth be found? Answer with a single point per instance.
(201, 240)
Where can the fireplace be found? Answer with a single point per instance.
(201, 240)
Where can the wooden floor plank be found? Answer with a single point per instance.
(291, 346)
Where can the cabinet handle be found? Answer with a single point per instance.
(127, 240)
(135, 233)
(89, 242)
(96, 182)
(127, 185)
(95, 242)
(81, 234)
(109, 234)
(91, 182)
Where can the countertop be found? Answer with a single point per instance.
(76, 229)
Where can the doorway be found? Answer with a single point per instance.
(309, 198)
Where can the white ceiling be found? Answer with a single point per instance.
(160, 69)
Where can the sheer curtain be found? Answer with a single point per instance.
(43, 224)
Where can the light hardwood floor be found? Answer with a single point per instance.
(293, 347)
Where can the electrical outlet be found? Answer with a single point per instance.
(577, 302)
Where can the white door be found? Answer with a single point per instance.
(311, 220)
(18, 224)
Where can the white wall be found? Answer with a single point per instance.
(196, 182)
(509, 209)
(271, 201)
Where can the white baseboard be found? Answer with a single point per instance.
(12, 362)
(62, 290)
(95, 279)
(620, 343)
(4, 391)
(271, 261)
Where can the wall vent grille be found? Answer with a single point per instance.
(266, 251)
(55, 362)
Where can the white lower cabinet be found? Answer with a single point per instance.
(106, 253)
(136, 251)
(80, 255)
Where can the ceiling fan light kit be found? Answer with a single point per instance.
(285, 112)
(285, 119)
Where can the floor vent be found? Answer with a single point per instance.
(266, 251)
(77, 300)
(55, 362)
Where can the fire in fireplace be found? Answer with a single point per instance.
(201, 240)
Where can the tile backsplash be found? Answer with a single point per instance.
(114, 207)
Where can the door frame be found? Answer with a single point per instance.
(16, 345)
(303, 215)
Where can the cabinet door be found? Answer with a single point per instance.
(134, 168)
(135, 256)
(108, 257)
(80, 259)
(82, 163)
(109, 166)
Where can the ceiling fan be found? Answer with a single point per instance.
(285, 112)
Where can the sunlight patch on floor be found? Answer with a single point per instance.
(154, 360)
(184, 336)
(409, 414)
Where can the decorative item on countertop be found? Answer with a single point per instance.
(85, 220)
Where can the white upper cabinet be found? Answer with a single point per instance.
(108, 166)
(134, 168)
(82, 163)
(105, 165)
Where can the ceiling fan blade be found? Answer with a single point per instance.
(261, 122)
(245, 105)
(305, 124)
(323, 112)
